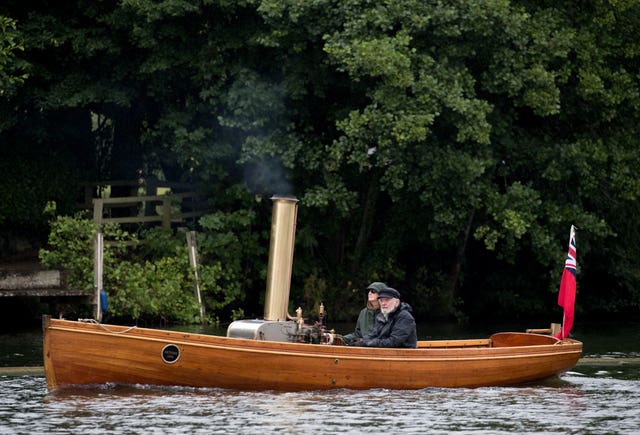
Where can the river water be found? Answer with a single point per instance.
(600, 395)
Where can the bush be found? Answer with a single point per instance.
(153, 281)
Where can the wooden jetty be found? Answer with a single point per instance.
(31, 279)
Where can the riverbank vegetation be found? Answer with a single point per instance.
(445, 148)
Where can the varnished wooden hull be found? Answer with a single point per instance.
(85, 353)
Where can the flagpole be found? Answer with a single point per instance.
(566, 293)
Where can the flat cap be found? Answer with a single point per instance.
(389, 292)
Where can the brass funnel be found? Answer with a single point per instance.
(283, 232)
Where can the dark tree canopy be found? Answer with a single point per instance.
(442, 147)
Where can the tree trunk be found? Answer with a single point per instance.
(456, 268)
(365, 224)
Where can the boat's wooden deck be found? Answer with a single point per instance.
(481, 342)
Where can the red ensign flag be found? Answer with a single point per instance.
(567, 293)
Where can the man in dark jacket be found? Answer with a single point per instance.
(395, 326)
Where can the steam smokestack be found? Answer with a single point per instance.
(283, 232)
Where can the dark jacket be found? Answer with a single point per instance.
(399, 330)
(365, 324)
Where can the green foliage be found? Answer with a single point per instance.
(480, 111)
(162, 289)
(154, 283)
(233, 256)
(12, 68)
(28, 182)
(434, 145)
(70, 247)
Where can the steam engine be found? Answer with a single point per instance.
(277, 324)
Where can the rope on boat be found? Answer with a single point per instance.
(95, 322)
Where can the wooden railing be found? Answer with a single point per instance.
(163, 209)
(174, 206)
(135, 187)
(141, 201)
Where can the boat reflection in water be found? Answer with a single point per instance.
(281, 352)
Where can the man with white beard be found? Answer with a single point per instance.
(395, 326)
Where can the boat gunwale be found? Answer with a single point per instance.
(332, 352)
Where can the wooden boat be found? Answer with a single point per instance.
(280, 352)
(90, 353)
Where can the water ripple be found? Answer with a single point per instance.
(577, 403)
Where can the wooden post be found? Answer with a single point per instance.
(554, 330)
(166, 211)
(88, 195)
(98, 245)
(193, 260)
(98, 209)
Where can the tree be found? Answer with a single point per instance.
(443, 147)
(10, 44)
(470, 118)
